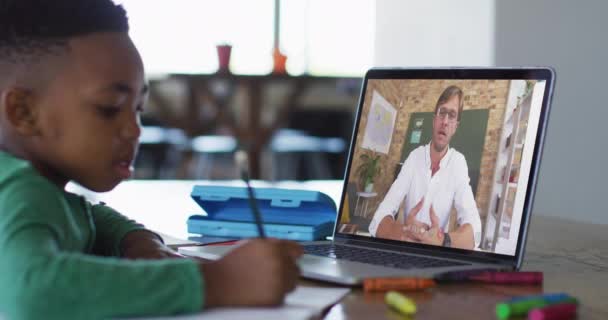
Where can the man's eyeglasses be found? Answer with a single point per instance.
(442, 113)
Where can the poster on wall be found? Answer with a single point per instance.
(380, 125)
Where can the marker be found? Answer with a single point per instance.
(459, 276)
(528, 278)
(561, 311)
(401, 284)
(550, 297)
(400, 303)
(522, 307)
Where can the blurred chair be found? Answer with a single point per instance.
(298, 156)
(160, 152)
(213, 157)
(326, 122)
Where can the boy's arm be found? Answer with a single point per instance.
(118, 235)
(144, 244)
(43, 271)
(47, 281)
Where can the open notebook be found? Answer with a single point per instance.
(302, 303)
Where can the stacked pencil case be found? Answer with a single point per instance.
(300, 215)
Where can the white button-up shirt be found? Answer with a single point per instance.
(448, 188)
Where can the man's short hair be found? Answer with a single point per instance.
(447, 94)
(29, 29)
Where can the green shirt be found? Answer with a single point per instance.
(60, 257)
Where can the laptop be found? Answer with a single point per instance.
(443, 163)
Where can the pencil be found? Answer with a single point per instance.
(241, 161)
(254, 208)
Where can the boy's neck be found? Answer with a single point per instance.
(42, 169)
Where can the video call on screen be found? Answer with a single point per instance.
(435, 157)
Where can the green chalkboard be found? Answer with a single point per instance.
(468, 140)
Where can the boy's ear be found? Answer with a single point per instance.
(20, 111)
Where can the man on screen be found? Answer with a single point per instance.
(433, 180)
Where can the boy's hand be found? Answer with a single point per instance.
(258, 272)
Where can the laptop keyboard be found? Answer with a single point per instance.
(377, 257)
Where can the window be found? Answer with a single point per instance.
(319, 37)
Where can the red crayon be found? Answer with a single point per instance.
(561, 311)
(509, 277)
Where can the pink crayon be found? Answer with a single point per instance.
(561, 311)
(509, 277)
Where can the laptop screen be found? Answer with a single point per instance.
(445, 161)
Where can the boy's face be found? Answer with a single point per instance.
(88, 116)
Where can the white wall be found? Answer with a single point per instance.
(571, 37)
(568, 35)
(434, 32)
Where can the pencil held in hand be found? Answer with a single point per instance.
(241, 160)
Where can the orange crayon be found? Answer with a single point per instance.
(398, 284)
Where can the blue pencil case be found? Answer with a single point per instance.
(233, 229)
(286, 213)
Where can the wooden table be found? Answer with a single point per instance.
(573, 256)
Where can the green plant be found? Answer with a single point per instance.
(369, 168)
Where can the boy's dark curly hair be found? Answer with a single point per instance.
(31, 28)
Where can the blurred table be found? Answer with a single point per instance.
(572, 255)
(267, 101)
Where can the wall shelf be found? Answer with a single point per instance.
(506, 174)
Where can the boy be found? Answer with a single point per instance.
(71, 90)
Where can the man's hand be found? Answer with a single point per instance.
(257, 273)
(434, 235)
(414, 227)
(391, 229)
